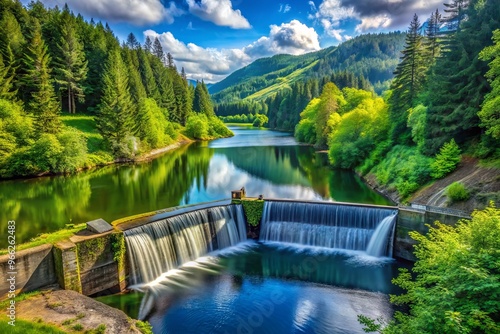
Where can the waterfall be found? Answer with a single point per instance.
(379, 241)
(166, 244)
(325, 225)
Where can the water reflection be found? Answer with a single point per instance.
(264, 162)
(271, 288)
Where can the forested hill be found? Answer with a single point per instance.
(282, 85)
(53, 61)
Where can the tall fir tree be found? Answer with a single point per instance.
(432, 34)
(42, 104)
(115, 119)
(457, 84)
(158, 49)
(132, 42)
(148, 44)
(71, 66)
(408, 82)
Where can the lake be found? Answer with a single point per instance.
(265, 162)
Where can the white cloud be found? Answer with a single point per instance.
(214, 65)
(284, 8)
(137, 12)
(374, 22)
(293, 38)
(220, 12)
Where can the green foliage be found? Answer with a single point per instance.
(357, 131)
(260, 121)
(457, 192)
(144, 327)
(305, 131)
(446, 160)
(403, 168)
(253, 211)
(197, 127)
(490, 112)
(26, 327)
(455, 287)
(416, 122)
(152, 126)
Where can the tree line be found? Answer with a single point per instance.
(443, 100)
(53, 61)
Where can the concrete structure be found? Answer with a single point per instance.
(93, 263)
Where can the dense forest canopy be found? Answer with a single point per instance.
(54, 62)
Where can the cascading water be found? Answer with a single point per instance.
(328, 225)
(381, 241)
(166, 244)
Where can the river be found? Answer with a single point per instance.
(265, 162)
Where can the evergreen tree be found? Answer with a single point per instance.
(6, 87)
(136, 88)
(115, 119)
(327, 106)
(457, 85)
(132, 42)
(71, 66)
(157, 49)
(148, 79)
(431, 34)
(148, 45)
(201, 100)
(42, 103)
(490, 111)
(170, 60)
(408, 81)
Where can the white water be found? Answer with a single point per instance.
(380, 238)
(156, 248)
(329, 225)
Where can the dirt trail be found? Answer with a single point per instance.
(67, 309)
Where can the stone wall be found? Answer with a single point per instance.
(410, 219)
(34, 268)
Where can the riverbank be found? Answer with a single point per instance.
(481, 182)
(65, 311)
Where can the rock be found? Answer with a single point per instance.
(99, 226)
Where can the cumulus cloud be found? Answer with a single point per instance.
(138, 12)
(220, 12)
(292, 38)
(371, 15)
(213, 64)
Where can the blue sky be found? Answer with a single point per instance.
(213, 38)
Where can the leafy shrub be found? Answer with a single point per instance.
(457, 192)
(446, 160)
(454, 286)
(74, 153)
(404, 168)
(260, 121)
(197, 127)
(217, 129)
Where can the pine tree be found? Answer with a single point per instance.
(170, 60)
(201, 100)
(42, 103)
(115, 119)
(408, 81)
(148, 45)
(71, 65)
(157, 49)
(431, 34)
(132, 42)
(457, 85)
(147, 75)
(6, 87)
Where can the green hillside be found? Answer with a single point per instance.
(372, 57)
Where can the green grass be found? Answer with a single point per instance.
(282, 83)
(49, 238)
(26, 327)
(85, 124)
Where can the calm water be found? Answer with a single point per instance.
(267, 288)
(264, 162)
